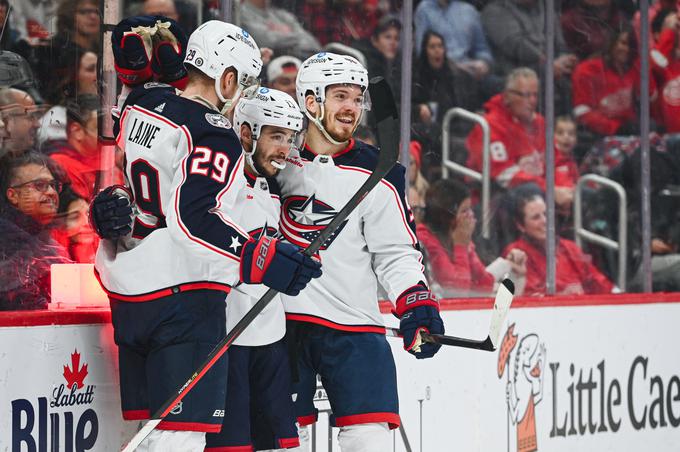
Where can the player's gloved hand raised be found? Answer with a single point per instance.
(170, 44)
(111, 213)
(418, 310)
(278, 265)
(132, 46)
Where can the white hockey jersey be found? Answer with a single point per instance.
(184, 164)
(376, 244)
(259, 214)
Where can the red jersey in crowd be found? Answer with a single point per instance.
(575, 273)
(666, 68)
(603, 98)
(81, 170)
(566, 171)
(516, 150)
(459, 268)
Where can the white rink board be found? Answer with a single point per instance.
(635, 345)
(32, 375)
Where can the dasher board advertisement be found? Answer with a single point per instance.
(60, 390)
(599, 377)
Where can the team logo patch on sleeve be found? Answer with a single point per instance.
(218, 120)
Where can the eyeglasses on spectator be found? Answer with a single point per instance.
(42, 185)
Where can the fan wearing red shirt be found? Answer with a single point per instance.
(575, 274)
(605, 88)
(446, 234)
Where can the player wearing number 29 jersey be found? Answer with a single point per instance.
(184, 165)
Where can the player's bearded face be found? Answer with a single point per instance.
(274, 145)
(343, 107)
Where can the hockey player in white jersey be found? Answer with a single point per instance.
(167, 280)
(259, 410)
(336, 323)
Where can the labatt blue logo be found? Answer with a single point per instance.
(59, 420)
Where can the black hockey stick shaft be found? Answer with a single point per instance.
(386, 114)
(453, 341)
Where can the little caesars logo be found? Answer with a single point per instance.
(62, 419)
(524, 388)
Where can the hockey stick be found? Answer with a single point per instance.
(385, 111)
(501, 305)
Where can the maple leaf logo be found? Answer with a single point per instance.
(76, 374)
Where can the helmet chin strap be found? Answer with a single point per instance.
(318, 123)
(250, 158)
(227, 103)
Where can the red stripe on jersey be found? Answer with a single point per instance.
(307, 420)
(289, 443)
(414, 239)
(336, 326)
(190, 426)
(165, 292)
(369, 418)
(136, 415)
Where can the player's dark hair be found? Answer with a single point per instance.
(519, 197)
(10, 166)
(442, 201)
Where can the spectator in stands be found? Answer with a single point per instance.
(164, 8)
(516, 32)
(587, 26)
(281, 74)
(77, 77)
(79, 156)
(20, 115)
(382, 52)
(438, 84)
(566, 170)
(31, 21)
(277, 29)
(606, 88)
(343, 21)
(575, 273)
(517, 139)
(78, 23)
(9, 35)
(80, 239)
(28, 204)
(446, 234)
(655, 6)
(666, 67)
(459, 24)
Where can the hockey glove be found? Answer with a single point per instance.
(111, 212)
(278, 265)
(170, 43)
(418, 310)
(132, 43)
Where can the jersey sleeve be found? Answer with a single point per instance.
(206, 188)
(390, 235)
(587, 94)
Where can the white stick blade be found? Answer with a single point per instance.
(141, 435)
(501, 305)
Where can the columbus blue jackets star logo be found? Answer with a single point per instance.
(303, 219)
(235, 244)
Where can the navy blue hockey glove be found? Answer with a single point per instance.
(111, 212)
(170, 44)
(418, 310)
(132, 45)
(278, 265)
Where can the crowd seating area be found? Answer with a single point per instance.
(477, 103)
